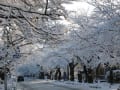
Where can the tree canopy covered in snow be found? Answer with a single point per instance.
(28, 22)
(93, 36)
(57, 31)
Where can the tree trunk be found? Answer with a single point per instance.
(72, 74)
(86, 74)
(5, 80)
(72, 66)
(67, 72)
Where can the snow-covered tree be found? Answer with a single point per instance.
(94, 37)
(27, 22)
(91, 38)
(98, 34)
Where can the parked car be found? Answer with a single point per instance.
(20, 78)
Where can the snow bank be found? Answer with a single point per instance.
(86, 86)
(1, 87)
(77, 85)
(11, 84)
(79, 7)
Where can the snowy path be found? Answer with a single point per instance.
(63, 85)
(40, 86)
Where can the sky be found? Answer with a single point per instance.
(79, 7)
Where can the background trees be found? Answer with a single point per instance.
(92, 36)
(27, 22)
(95, 36)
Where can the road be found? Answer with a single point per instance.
(40, 86)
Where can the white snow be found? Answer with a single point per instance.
(11, 84)
(87, 86)
(1, 87)
(77, 85)
(79, 7)
(90, 42)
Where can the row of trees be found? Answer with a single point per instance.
(27, 22)
(95, 39)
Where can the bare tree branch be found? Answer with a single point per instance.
(21, 9)
(38, 28)
(29, 43)
(46, 7)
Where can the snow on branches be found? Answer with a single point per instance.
(27, 22)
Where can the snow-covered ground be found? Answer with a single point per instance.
(1, 87)
(77, 85)
(11, 84)
(87, 86)
(68, 84)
